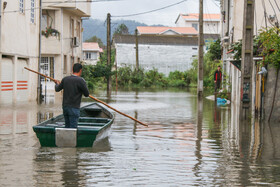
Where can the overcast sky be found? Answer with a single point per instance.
(165, 17)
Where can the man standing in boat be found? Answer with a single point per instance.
(218, 78)
(73, 87)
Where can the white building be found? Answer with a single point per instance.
(19, 41)
(62, 46)
(163, 52)
(211, 22)
(91, 52)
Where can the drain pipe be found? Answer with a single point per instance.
(39, 87)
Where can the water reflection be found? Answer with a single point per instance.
(188, 143)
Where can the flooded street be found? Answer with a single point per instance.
(181, 146)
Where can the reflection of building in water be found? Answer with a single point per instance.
(43, 116)
(15, 121)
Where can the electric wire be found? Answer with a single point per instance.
(277, 5)
(214, 30)
(274, 11)
(265, 15)
(141, 13)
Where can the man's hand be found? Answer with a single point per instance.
(57, 82)
(215, 81)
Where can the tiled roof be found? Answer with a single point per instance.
(195, 17)
(91, 46)
(162, 30)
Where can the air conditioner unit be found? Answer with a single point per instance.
(75, 42)
(225, 41)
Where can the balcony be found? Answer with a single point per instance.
(51, 44)
(82, 9)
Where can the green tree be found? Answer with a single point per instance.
(121, 29)
(96, 39)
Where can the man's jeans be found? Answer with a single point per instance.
(71, 116)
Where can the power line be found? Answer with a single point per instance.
(273, 11)
(137, 14)
(265, 16)
(215, 3)
(277, 5)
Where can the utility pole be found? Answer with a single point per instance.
(200, 52)
(109, 52)
(39, 87)
(136, 50)
(247, 60)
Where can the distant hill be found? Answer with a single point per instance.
(95, 27)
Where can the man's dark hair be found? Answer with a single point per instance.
(77, 67)
(219, 66)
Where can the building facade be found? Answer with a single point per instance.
(19, 41)
(164, 53)
(211, 22)
(91, 52)
(61, 39)
(232, 31)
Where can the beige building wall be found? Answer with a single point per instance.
(66, 18)
(19, 48)
(237, 17)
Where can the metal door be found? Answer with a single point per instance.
(7, 82)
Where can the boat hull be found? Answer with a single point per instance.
(94, 124)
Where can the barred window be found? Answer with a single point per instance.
(21, 6)
(32, 10)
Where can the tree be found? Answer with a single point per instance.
(122, 29)
(96, 39)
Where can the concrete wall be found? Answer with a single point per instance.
(165, 58)
(20, 42)
(270, 85)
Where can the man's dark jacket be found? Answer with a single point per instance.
(73, 88)
(218, 75)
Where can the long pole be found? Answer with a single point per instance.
(247, 60)
(136, 50)
(92, 98)
(200, 52)
(109, 52)
(39, 91)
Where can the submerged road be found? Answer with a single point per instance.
(181, 146)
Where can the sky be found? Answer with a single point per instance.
(166, 16)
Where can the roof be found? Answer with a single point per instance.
(181, 40)
(157, 40)
(163, 30)
(195, 16)
(91, 46)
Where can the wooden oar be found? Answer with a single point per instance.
(92, 98)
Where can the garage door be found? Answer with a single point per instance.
(22, 81)
(6, 95)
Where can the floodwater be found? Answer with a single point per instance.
(187, 143)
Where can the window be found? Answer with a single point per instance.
(65, 64)
(72, 28)
(47, 67)
(78, 29)
(72, 63)
(194, 25)
(32, 11)
(88, 55)
(21, 6)
(94, 56)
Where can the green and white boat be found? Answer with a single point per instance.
(94, 124)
